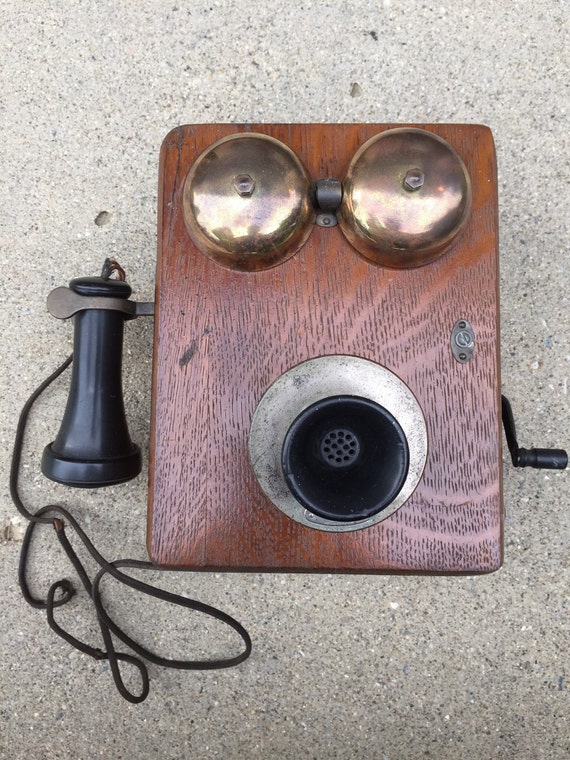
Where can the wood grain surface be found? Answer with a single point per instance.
(222, 337)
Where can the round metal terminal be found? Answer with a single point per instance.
(247, 202)
(407, 194)
(462, 341)
(322, 411)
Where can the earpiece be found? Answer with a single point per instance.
(93, 447)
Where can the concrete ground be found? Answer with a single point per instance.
(345, 666)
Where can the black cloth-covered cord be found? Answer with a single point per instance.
(62, 591)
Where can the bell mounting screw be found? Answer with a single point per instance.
(244, 185)
(414, 179)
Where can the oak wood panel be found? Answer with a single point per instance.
(222, 337)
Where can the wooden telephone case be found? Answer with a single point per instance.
(222, 337)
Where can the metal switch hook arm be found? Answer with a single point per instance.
(103, 293)
(63, 303)
(541, 459)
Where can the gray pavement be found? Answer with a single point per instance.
(345, 666)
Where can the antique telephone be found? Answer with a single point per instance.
(326, 388)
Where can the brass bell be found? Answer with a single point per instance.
(407, 194)
(247, 202)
